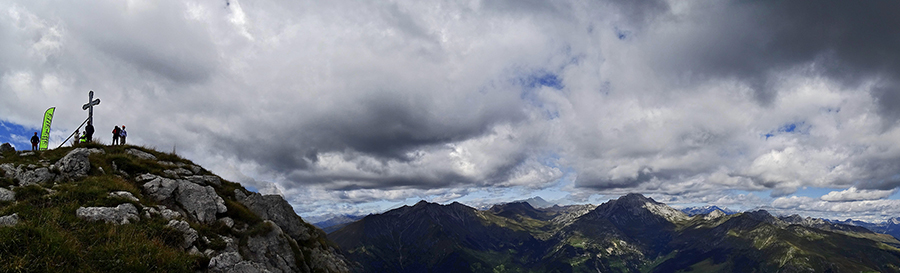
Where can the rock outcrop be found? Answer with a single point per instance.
(190, 234)
(6, 148)
(75, 164)
(140, 154)
(276, 209)
(27, 174)
(200, 202)
(7, 195)
(273, 249)
(264, 234)
(121, 214)
(9, 220)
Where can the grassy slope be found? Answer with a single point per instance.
(50, 238)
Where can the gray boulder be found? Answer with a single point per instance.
(7, 195)
(224, 261)
(124, 195)
(159, 188)
(36, 176)
(276, 209)
(6, 148)
(232, 262)
(9, 170)
(140, 154)
(28, 153)
(190, 235)
(273, 249)
(205, 180)
(201, 202)
(74, 164)
(168, 214)
(121, 214)
(9, 220)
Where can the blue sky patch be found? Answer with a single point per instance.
(622, 34)
(16, 134)
(790, 128)
(543, 79)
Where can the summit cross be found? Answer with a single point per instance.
(90, 105)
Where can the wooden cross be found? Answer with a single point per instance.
(90, 105)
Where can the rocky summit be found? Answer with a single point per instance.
(98, 208)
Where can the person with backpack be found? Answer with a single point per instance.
(116, 133)
(34, 142)
(89, 131)
(122, 135)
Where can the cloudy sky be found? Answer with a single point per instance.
(360, 106)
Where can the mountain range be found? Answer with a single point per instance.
(630, 234)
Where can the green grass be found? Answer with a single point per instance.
(50, 238)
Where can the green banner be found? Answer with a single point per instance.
(45, 129)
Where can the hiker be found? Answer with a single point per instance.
(89, 131)
(34, 142)
(77, 137)
(83, 138)
(122, 135)
(115, 133)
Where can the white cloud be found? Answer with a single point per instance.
(854, 194)
(347, 102)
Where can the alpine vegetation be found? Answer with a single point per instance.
(124, 208)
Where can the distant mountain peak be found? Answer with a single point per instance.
(536, 202)
(691, 211)
(638, 205)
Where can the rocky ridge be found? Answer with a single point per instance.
(219, 221)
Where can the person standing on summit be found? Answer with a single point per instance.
(89, 132)
(34, 142)
(115, 133)
(122, 135)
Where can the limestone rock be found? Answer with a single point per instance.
(233, 263)
(159, 188)
(6, 148)
(26, 153)
(9, 170)
(169, 214)
(167, 163)
(36, 176)
(121, 214)
(195, 169)
(140, 154)
(201, 202)
(194, 251)
(8, 195)
(9, 220)
(144, 177)
(227, 221)
(224, 261)
(124, 195)
(273, 249)
(182, 172)
(190, 235)
(74, 164)
(275, 208)
(204, 180)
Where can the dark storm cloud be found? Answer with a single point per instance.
(345, 102)
(154, 38)
(756, 41)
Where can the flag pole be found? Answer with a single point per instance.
(73, 133)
